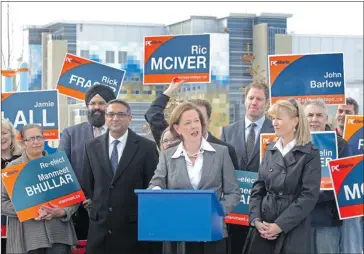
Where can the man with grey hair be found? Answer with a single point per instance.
(326, 232)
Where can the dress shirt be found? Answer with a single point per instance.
(287, 148)
(194, 171)
(257, 128)
(120, 146)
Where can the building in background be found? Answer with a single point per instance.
(121, 45)
(351, 46)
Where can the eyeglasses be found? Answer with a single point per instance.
(117, 114)
(99, 103)
(32, 139)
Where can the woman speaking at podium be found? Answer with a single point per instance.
(198, 165)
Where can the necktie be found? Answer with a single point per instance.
(97, 132)
(251, 140)
(114, 156)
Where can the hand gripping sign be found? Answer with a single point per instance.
(307, 76)
(347, 175)
(186, 57)
(48, 180)
(79, 74)
(240, 214)
(354, 134)
(34, 107)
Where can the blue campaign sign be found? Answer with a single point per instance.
(185, 57)
(327, 144)
(49, 179)
(348, 176)
(240, 214)
(308, 76)
(33, 107)
(354, 134)
(79, 74)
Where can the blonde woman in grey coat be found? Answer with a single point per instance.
(52, 232)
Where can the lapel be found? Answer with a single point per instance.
(289, 158)
(242, 143)
(88, 131)
(266, 128)
(180, 165)
(131, 147)
(276, 155)
(104, 154)
(208, 161)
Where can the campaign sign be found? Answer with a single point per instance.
(240, 214)
(186, 57)
(347, 175)
(33, 107)
(354, 134)
(265, 139)
(307, 76)
(4, 224)
(48, 181)
(79, 74)
(326, 142)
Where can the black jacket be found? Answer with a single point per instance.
(157, 122)
(285, 193)
(325, 212)
(114, 210)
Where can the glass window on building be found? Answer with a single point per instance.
(122, 57)
(85, 53)
(110, 57)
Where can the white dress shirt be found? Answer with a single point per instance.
(120, 146)
(287, 148)
(257, 128)
(194, 171)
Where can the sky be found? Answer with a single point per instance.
(324, 18)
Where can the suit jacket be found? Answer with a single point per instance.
(73, 141)
(217, 174)
(234, 134)
(214, 140)
(114, 210)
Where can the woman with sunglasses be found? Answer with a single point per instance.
(52, 232)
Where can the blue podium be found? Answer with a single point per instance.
(179, 215)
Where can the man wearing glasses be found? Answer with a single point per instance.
(115, 164)
(73, 141)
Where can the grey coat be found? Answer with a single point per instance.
(285, 193)
(73, 141)
(217, 174)
(234, 134)
(32, 234)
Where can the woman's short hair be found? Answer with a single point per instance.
(294, 109)
(15, 147)
(177, 114)
(28, 127)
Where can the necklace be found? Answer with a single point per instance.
(192, 155)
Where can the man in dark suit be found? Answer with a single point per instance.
(115, 164)
(155, 117)
(244, 135)
(73, 141)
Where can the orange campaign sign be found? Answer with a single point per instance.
(265, 139)
(354, 134)
(49, 180)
